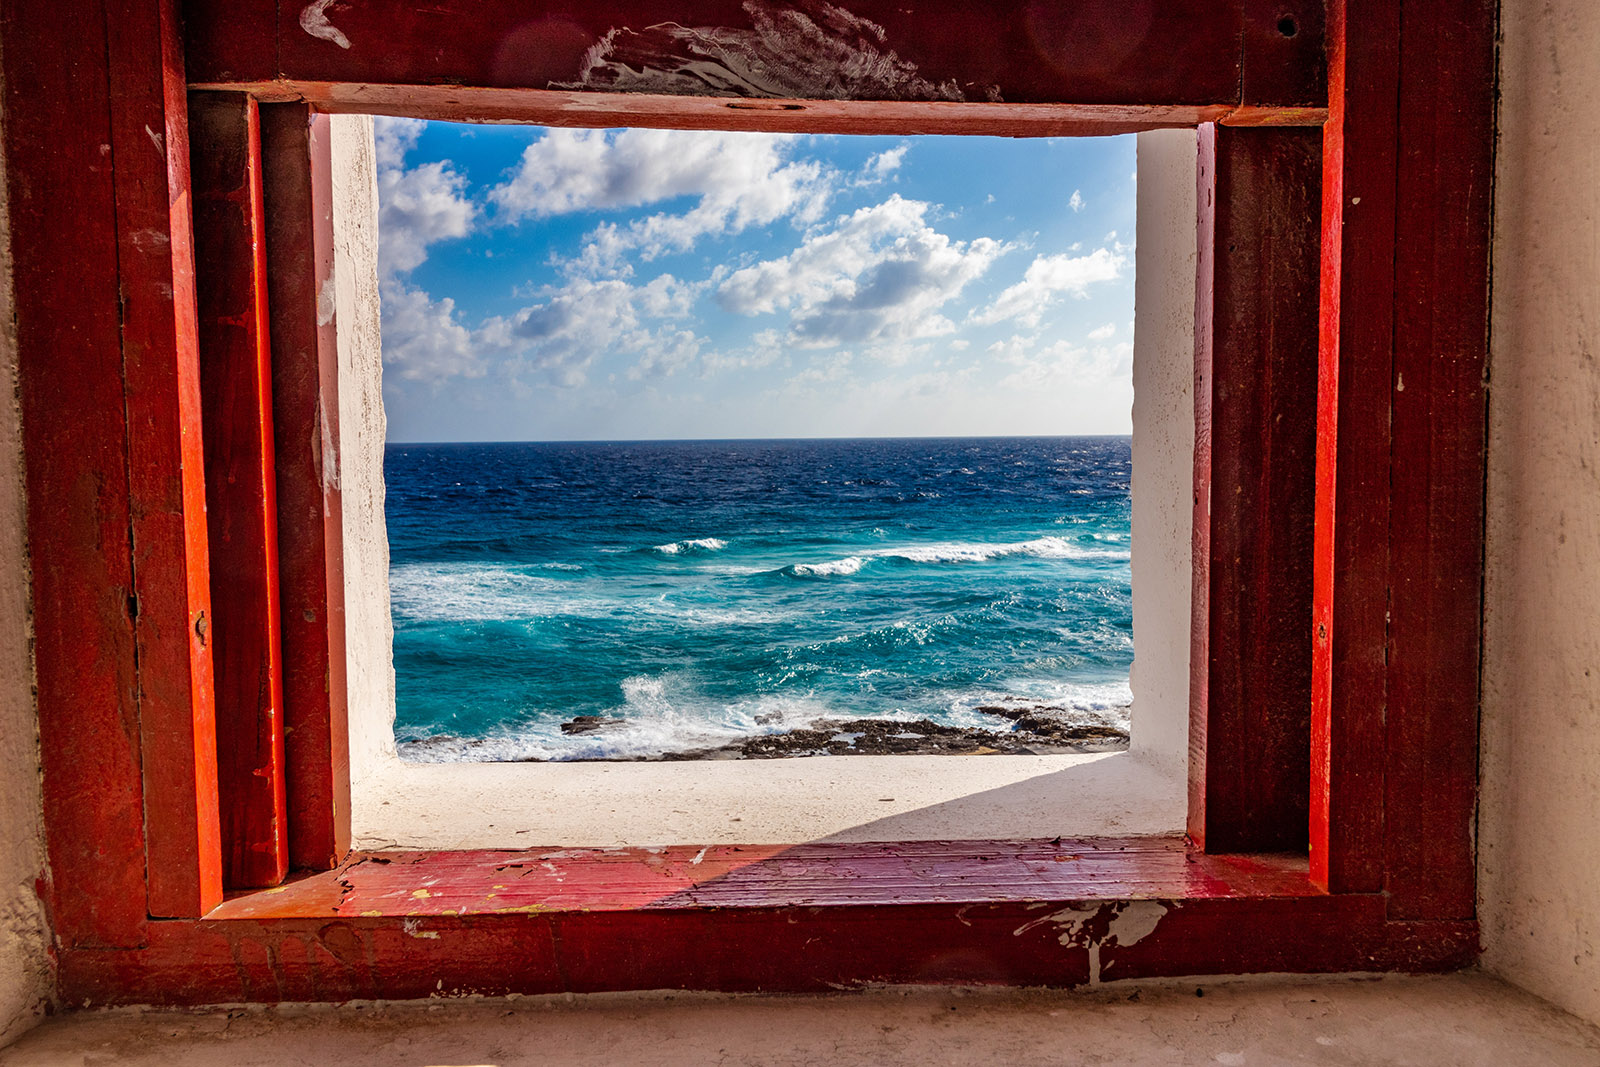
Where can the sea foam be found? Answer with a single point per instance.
(697, 544)
(953, 552)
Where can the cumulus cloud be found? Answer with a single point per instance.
(555, 340)
(882, 164)
(1103, 333)
(880, 275)
(423, 341)
(739, 180)
(1049, 276)
(558, 338)
(1076, 203)
(1059, 365)
(419, 206)
(395, 137)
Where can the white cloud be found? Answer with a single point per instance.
(556, 339)
(880, 275)
(1103, 333)
(1048, 276)
(395, 137)
(1061, 366)
(740, 180)
(1076, 203)
(560, 337)
(422, 341)
(882, 164)
(417, 207)
(832, 369)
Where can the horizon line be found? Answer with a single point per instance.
(716, 440)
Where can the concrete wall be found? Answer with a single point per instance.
(369, 630)
(26, 980)
(1539, 849)
(1163, 445)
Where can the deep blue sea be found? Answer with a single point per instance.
(709, 590)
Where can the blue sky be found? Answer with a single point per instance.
(622, 284)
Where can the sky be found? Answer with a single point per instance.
(544, 284)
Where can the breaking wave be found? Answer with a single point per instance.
(697, 544)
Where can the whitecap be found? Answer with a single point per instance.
(696, 544)
(979, 552)
(952, 552)
(664, 714)
(848, 565)
(1102, 703)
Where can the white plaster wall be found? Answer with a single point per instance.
(1163, 446)
(26, 980)
(1539, 849)
(370, 633)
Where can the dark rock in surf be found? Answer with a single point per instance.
(592, 724)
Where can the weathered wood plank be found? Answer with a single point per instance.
(1445, 178)
(241, 484)
(1283, 56)
(305, 400)
(769, 918)
(745, 876)
(1351, 598)
(63, 197)
(1144, 52)
(166, 466)
(1255, 439)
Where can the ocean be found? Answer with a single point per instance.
(691, 595)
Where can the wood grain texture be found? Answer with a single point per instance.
(241, 484)
(550, 107)
(166, 465)
(742, 876)
(764, 918)
(1145, 52)
(305, 397)
(62, 191)
(1283, 57)
(1355, 378)
(1401, 438)
(1255, 437)
(1442, 242)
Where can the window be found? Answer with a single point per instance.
(1405, 195)
(637, 606)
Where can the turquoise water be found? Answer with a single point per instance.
(710, 590)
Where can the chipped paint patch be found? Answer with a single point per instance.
(413, 928)
(1092, 927)
(156, 139)
(327, 302)
(810, 50)
(327, 458)
(314, 20)
(698, 856)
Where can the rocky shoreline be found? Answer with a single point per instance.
(1034, 730)
(1021, 728)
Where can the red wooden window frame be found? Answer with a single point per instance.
(1340, 347)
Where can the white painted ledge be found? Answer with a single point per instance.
(783, 801)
